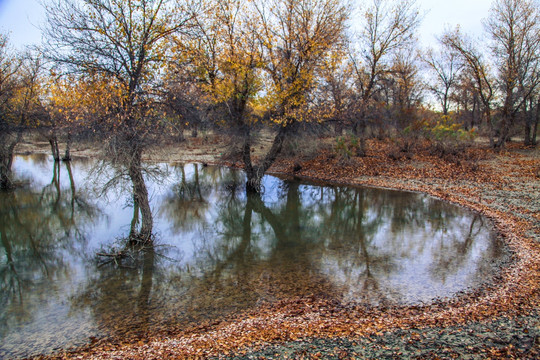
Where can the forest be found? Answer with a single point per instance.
(132, 72)
(332, 91)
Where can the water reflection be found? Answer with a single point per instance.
(39, 226)
(217, 251)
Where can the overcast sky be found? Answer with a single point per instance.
(21, 19)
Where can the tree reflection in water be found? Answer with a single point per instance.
(220, 250)
(37, 228)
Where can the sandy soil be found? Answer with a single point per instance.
(498, 321)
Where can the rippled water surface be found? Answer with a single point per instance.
(217, 250)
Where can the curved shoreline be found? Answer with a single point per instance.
(515, 292)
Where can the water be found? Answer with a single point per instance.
(217, 251)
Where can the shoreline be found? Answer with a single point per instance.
(514, 293)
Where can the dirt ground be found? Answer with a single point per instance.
(497, 321)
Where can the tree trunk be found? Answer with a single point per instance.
(246, 158)
(293, 211)
(360, 132)
(72, 187)
(468, 124)
(5, 172)
(508, 118)
(338, 127)
(7, 151)
(56, 182)
(67, 154)
(527, 141)
(474, 111)
(140, 196)
(256, 173)
(489, 121)
(53, 141)
(535, 126)
(133, 229)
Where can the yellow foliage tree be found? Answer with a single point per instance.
(259, 60)
(21, 85)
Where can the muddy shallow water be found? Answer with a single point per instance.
(217, 250)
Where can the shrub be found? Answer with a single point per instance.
(347, 146)
(306, 146)
(446, 135)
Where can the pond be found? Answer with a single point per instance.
(217, 251)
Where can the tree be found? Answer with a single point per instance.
(10, 131)
(225, 55)
(258, 62)
(21, 85)
(445, 68)
(514, 26)
(227, 59)
(63, 104)
(335, 89)
(123, 42)
(296, 38)
(406, 88)
(478, 70)
(184, 104)
(467, 100)
(387, 27)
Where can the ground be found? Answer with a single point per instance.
(497, 321)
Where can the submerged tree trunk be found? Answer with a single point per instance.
(53, 141)
(67, 154)
(72, 187)
(56, 182)
(7, 151)
(6, 159)
(140, 197)
(255, 173)
(292, 207)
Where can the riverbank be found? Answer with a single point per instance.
(497, 321)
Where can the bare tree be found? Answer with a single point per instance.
(445, 67)
(514, 26)
(406, 87)
(335, 90)
(21, 86)
(387, 27)
(125, 42)
(478, 69)
(467, 100)
(10, 129)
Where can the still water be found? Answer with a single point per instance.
(217, 251)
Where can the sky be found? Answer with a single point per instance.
(22, 18)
